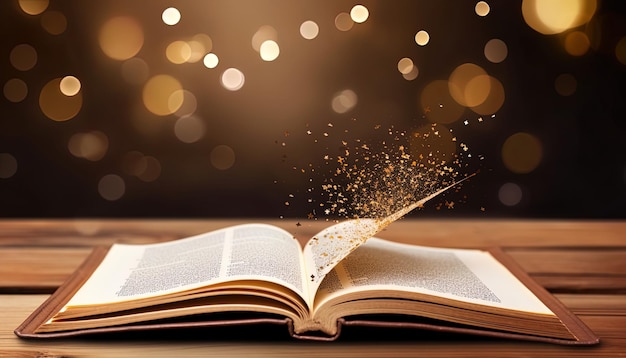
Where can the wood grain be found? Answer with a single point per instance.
(592, 311)
(39, 269)
(443, 233)
(583, 262)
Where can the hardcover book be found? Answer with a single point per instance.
(257, 273)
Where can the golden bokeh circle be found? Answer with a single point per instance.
(222, 157)
(565, 84)
(163, 95)
(550, 17)
(343, 22)
(121, 38)
(495, 98)
(15, 90)
(91, 145)
(496, 50)
(482, 8)
(23, 57)
(464, 82)
(54, 22)
(33, 7)
(620, 50)
(577, 43)
(56, 105)
(522, 153)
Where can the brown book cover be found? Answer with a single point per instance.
(581, 334)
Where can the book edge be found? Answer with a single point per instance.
(579, 330)
(53, 304)
(582, 335)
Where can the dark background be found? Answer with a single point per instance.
(581, 172)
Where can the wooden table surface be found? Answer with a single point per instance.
(582, 262)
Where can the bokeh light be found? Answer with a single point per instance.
(91, 145)
(87, 228)
(8, 165)
(56, 105)
(522, 153)
(620, 50)
(222, 157)
(134, 163)
(269, 50)
(197, 51)
(54, 22)
(210, 60)
(33, 7)
(15, 90)
(495, 97)
(437, 103)
(189, 129)
(577, 43)
(189, 105)
(556, 16)
(23, 57)
(344, 101)
(408, 69)
(309, 30)
(233, 79)
(477, 90)
(111, 187)
(178, 52)
(343, 22)
(496, 50)
(69, 86)
(145, 167)
(171, 16)
(263, 34)
(121, 38)
(422, 38)
(152, 170)
(469, 85)
(482, 8)
(510, 194)
(122, 77)
(175, 101)
(161, 95)
(411, 75)
(200, 44)
(359, 14)
(405, 65)
(565, 84)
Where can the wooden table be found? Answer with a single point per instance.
(582, 262)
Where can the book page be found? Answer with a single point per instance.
(333, 244)
(245, 252)
(472, 276)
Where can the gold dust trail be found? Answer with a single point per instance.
(336, 242)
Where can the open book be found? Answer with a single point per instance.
(257, 273)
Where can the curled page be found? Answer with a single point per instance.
(331, 245)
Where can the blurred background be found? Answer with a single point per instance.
(230, 108)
